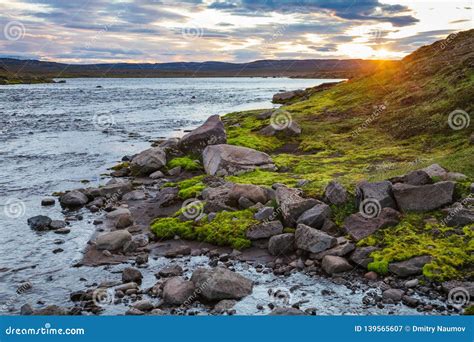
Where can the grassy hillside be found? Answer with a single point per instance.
(376, 126)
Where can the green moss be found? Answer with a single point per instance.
(262, 177)
(188, 188)
(226, 229)
(451, 249)
(289, 230)
(469, 310)
(168, 227)
(340, 212)
(120, 166)
(186, 163)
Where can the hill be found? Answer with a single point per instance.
(318, 68)
(398, 119)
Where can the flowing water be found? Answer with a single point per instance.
(54, 137)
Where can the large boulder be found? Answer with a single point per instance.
(148, 161)
(358, 226)
(178, 291)
(378, 191)
(116, 190)
(222, 160)
(292, 204)
(335, 264)
(211, 132)
(73, 199)
(335, 193)
(315, 216)
(417, 177)
(40, 222)
(459, 216)
(254, 193)
(423, 197)
(410, 267)
(264, 230)
(313, 240)
(221, 283)
(281, 244)
(114, 240)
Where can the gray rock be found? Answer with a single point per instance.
(264, 230)
(123, 221)
(447, 286)
(459, 217)
(157, 175)
(254, 193)
(411, 283)
(282, 244)
(291, 129)
(423, 197)
(114, 240)
(330, 228)
(148, 161)
(175, 171)
(394, 295)
(245, 203)
(115, 190)
(286, 96)
(39, 222)
(178, 250)
(171, 271)
(126, 287)
(212, 132)
(335, 193)
(131, 274)
(265, 114)
(51, 310)
(418, 177)
(410, 267)
(339, 250)
(264, 213)
(57, 224)
(48, 201)
(221, 283)
(358, 226)
(222, 160)
(379, 191)
(315, 216)
(178, 291)
(62, 231)
(26, 310)
(313, 240)
(286, 312)
(435, 170)
(73, 199)
(361, 256)
(135, 195)
(334, 264)
(114, 214)
(224, 305)
(292, 204)
(143, 305)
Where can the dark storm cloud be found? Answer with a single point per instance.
(364, 10)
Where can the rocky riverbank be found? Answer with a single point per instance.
(208, 243)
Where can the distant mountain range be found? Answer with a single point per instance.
(318, 68)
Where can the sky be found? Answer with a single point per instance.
(157, 31)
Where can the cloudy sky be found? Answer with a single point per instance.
(92, 31)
